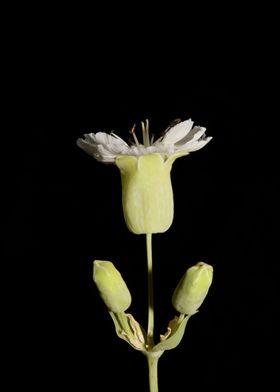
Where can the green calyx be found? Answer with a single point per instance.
(112, 288)
(147, 195)
(193, 288)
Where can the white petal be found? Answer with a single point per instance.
(195, 134)
(86, 146)
(116, 149)
(90, 137)
(168, 149)
(118, 139)
(194, 145)
(105, 154)
(105, 139)
(178, 132)
(102, 146)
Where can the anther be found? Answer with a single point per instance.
(132, 131)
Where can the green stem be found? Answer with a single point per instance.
(150, 329)
(153, 372)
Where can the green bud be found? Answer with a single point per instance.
(147, 195)
(193, 288)
(112, 288)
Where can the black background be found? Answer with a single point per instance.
(66, 212)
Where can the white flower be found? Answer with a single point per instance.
(147, 195)
(178, 140)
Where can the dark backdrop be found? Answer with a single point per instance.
(67, 212)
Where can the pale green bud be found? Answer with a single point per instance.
(147, 195)
(111, 286)
(193, 288)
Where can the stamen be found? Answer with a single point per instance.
(132, 131)
(145, 132)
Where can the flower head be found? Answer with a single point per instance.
(147, 195)
(178, 140)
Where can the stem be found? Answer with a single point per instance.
(153, 373)
(150, 329)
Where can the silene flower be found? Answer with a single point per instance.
(147, 195)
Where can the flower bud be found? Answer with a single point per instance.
(193, 288)
(111, 286)
(147, 195)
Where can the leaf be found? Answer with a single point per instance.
(128, 329)
(175, 337)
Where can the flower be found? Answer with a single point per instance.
(147, 195)
(193, 288)
(178, 140)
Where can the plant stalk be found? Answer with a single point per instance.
(150, 329)
(153, 372)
